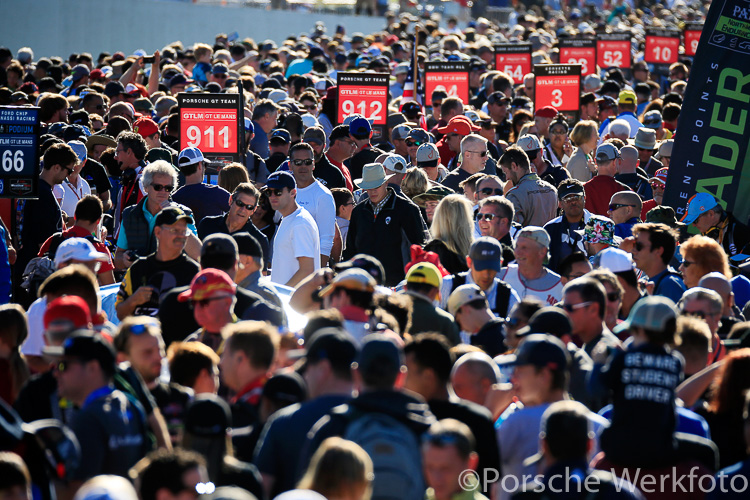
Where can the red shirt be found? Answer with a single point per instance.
(446, 154)
(647, 205)
(599, 191)
(345, 171)
(79, 232)
(252, 392)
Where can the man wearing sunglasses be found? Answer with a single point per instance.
(546, 171)
(474, 158)
(150, 278)
(625, 210)
(136, 235)
(205, 200)
(219, 74)
(584, 299)
(565, 231)
(360, 132)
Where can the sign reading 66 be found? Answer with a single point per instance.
(365, 94)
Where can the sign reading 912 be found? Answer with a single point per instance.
(211, 123)
(557, 85)
(365, 94)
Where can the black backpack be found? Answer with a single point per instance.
(502, 297)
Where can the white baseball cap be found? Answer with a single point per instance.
(529, 142)
(78, 249)
(395, 163)
(615, 260)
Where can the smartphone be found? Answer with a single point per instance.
(148, 59)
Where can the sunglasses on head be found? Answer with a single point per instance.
(166, 187)
(298, 163)
(241, 204)
(490, 191)
(574, 307)
(487, 217)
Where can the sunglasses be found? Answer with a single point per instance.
(480, 153)
(687, 263)
(413, 143)
(298, 163)
(70, 170)
(205, 302)
(248, 206)
(166, 187)
(574, 307)
(639, 246)
(658, 185)
(311, 107)
(487, 217)
(490, 191)
(572, 197)
(274, 192)
(221, 75)
(617, 206)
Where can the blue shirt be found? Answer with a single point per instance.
(200, 72)
(259, 144)
(122, 238)
(669, 285)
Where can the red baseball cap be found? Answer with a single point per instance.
(69, 312)
(208, 283)
(460, 125)
(661, 175)
(96, 74)
(547, 112)
(145, 127)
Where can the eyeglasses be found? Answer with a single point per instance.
(572, 197)
(490, 191)
(248, 206)
(205, 302)
(274, 192)
(298, 163)
(348, 203)
(480, 153)
(176, 232)
(687, 263)
(558, 132)
(617, 206)
(487, 217)
(166, 187)
(410, 143)
(574, 307)
(613, 297)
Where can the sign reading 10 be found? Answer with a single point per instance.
(194, 136)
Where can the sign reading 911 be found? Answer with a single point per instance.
(212, 123)
(579, 51)
(365, 94)
(452, 76)
(557, 85)
(19, 154)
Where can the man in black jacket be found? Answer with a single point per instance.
(384, 225)
(566, 231)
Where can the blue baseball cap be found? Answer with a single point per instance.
(249, 127)
(359, 127)
(280, 180)
(486, 253)
(281, 134)
(697, 206)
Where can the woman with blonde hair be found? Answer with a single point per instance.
(415, 182)
(702, 255)
(232, 175)
(452, 232)
(584, 136)
(340, 470)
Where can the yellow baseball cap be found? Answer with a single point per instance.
(627, 97)
(425, 272)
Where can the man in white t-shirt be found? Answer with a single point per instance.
(296, 245)
(527, 275)
(75, 187)
(314, 196)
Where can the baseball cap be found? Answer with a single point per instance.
(155, 154)
(650, 313)
(220, 69)
(379, 353)
(546, 112)
(86, 346)
(543, 351)
(426, 153)
(78, 249)
(75, 131)
(247, 244)
(79, 71)
(486, 253)
(315, 134)
(395, 119)
(606, 102)
(146, 127)
(143, 104)
(419, 135)
(114, 88)
(529, 142)
(460, 125)
(498, 97)
(665, 150)
(616, 260)
(333, 344)
(208, 283)
(360, 126)
(219, 244)
(660, 175)
(652, 119)
(280, 134)
(627, 97)
(607, 152)
(79, 149)
(368, 263)
(463, 295)
(280, 180)
(424, 272)
(287, 388)
(536, 233)
(208, 415)
(170, 215)
(697, 205)
(67, 313)
(354, 279)
(189, 156)
(178, 79)
(400, 131)
(548, 320)
(563, 191)
(395, 163)
(411, 108)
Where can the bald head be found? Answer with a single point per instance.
(473, 376)
(720, 284)
(632, 208)
(629, 159)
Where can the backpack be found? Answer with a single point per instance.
(502, 296)
(396, 459)
(40, 268)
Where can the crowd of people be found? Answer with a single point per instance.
(483, 299)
